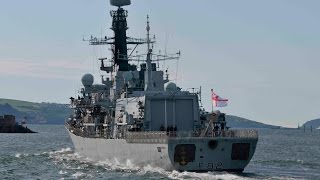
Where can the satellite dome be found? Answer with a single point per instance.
(87, 80)
(170, 86)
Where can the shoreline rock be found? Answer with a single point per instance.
(15, 129)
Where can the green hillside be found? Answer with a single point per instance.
(22, 106)
(315, 123)
(239, 122)
(37, 113)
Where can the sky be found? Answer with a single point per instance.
(264, 56)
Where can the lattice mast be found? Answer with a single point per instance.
(120, 41)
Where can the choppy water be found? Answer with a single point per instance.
(280, 154)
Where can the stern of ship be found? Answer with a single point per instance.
(227, 151)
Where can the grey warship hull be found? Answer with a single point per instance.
(138, 114)
(172, 153)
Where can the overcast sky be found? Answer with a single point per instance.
(264, 56)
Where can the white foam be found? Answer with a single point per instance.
(63, 172)
(63, 154)
(18, 155)
(130, 167)
(78, 174)
(300, 161)
(63, 150)
(66, 154)
(116, 165)
(206, 176)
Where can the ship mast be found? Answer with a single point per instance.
(119, 26)
(148, 76)
(120, 41)
(119, 46)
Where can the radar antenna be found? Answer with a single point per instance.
(120, 3)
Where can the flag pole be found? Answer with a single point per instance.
(211, 101)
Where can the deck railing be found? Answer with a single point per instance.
(163, 136)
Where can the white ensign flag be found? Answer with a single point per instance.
(219, 101)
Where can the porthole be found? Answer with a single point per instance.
(212, 144)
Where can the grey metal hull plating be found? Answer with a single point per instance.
(163, 154)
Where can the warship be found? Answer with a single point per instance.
(137, 114)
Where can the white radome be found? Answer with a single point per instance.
(170, 86)
(87, 80)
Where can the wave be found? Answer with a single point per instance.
(86, 168)
(69, 164)
(78, 175)
(289, 162)
(63, 172)
(19, 155)
(62, 151)
(148, 169)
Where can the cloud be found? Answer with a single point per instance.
(61, 69)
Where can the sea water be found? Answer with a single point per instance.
(49, 154)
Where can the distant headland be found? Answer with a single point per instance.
(8, 124)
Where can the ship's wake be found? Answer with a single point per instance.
(71, 164)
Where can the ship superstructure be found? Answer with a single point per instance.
(138, 114)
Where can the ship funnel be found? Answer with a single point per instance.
(120, 3)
